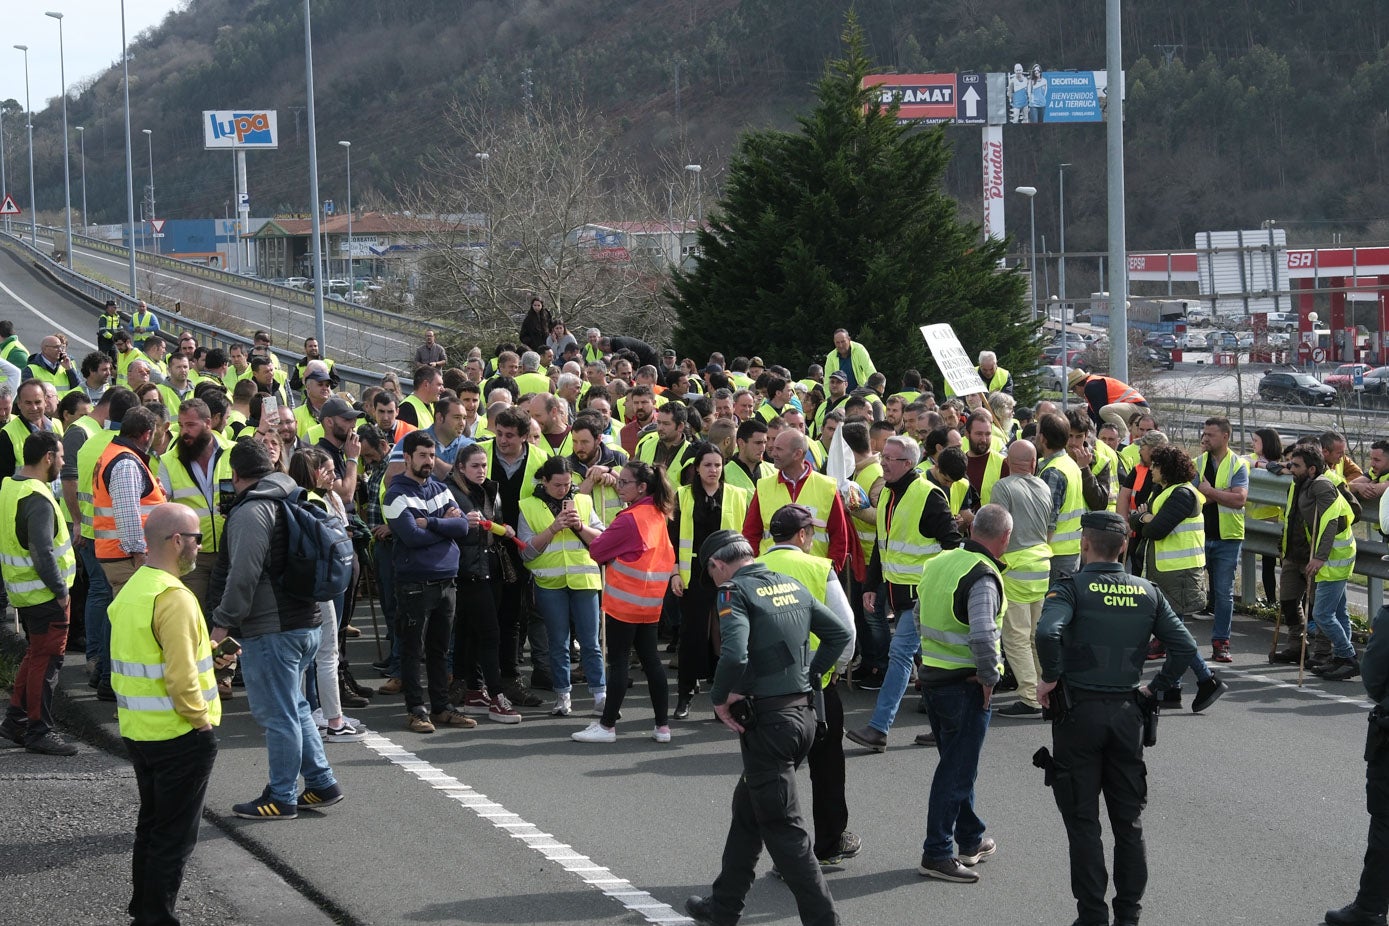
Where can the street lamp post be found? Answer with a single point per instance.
(4, 182)
(67, 159)
(154, 233)
(351, 282)
(317, 210)
(82, 154)
(697, 170)
(1061, 261)
(1031, 193)
(29, 120)
(129, 163)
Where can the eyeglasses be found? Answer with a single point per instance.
(197, 537)
(626, 481)
(893, 459)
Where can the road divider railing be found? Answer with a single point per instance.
(97, 292)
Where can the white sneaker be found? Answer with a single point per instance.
(347, 733)
(563, 706)
(594, 733)
(661, 734)
(599, 703)
(501, 711)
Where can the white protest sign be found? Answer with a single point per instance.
(955, 365)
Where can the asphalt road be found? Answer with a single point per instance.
(349, 340)
(38, 307)
(1256, 814)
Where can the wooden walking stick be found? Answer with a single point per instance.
(1306, 616)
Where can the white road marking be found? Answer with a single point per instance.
(72, 335)
(620, 889)
(1292, 686)
(242, 296)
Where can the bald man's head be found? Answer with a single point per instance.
(1022, 457)
(168, 519)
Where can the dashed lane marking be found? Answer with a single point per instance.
(567, 857)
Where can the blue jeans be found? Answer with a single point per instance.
(1333, 620)
(877, 638)
(273, 666)
(906, 640)
(1198, 666)
(1222, 559)
(959, 720)
(559, 608)
(98, 601)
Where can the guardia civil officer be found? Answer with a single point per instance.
(766, 619)
(1372, 900)
(1094, 629)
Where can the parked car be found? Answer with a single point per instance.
(1161, 340)
(1282, 321)
(1192, 340)
(1246, 340)
(1049, 379)
(1155, 357)
(1295, 388)
(1200, 318)
(1278, 339)
(1343, 377)
(297, 282)
(338, 287)
(1377, 381)
(1053, 356)
(1222, 340)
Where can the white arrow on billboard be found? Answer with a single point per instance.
(971, 100)
(952, 360)
(157, 225)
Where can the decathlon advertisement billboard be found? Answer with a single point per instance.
(240, 128)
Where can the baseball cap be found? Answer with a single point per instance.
(318, 376)
(713, 368)
(337, 408)
(840, 375)
(716, 542)
(789, 519)
(668, 352)
(1107, 521)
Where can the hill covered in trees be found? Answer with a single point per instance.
(1237, 112)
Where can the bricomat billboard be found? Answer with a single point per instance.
(240, 128)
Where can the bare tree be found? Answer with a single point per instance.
(531, 202)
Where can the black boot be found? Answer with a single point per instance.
(360, 690)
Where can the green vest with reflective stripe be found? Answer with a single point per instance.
(1185, 546)
(733, 474)
(732, 512)
(87, 458)
(424, 415)
(22, 580)
(646, 453)
(565, 562)
(38, 371)
(993, 469)
(143, 706)
(817, 494)
(867, 533)
(902, 549)
(1341, 561)
(944, 631)
(182, 488)
(1028, 575)
(1066, 540)
(811, 571)
(959, 491)
(1105, 456)
(1231, 519)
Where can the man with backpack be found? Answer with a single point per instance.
(275, 617)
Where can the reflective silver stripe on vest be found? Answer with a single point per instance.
(140, 669)
(1065, 536)
(558, 572)
(209, 694)
(1183, 553)
(563, 546)
(187, 493)
(1027, 576)
(945, 636)
(1188, 527)
(619, 566)
(148, 703)
(107, 535)
(637, 600)
(19, 588)
(205, 665)
(912, 549)
(1226, 510)
(947, 657)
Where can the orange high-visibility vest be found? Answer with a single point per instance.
(108, 545)
(634, 590)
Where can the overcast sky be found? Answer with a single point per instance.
(91, 41)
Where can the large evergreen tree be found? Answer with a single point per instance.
(844, 224)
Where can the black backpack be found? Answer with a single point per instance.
(318, 561)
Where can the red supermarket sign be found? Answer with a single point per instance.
(922, 97)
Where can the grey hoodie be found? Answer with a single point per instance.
(250, 599)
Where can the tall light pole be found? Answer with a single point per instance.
(1031, 193)
(154, 233)
(1114, 165)
(29, 120)
(482, 158)
(351, 283)
(129, 163)
(317, 210)
(67, 159)
(82, 153)
(4, 181)
(1061, 262)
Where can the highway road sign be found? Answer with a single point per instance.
(158, 226)
(9, 207)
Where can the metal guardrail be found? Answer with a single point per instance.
(1183, 418)
(1264, 538)
(209, 336)
(390, 321)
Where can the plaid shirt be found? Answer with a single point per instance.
(370, 504)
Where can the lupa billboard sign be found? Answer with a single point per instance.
(240, 128)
